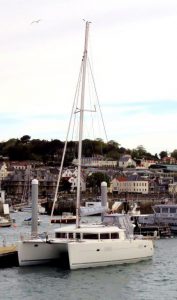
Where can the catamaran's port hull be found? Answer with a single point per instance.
(37, 252)
(84, 254)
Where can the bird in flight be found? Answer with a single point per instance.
(35, 21)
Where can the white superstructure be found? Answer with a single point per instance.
(90, 245)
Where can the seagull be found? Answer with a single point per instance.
(35, 21)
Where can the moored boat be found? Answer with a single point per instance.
(5, 221)
(65, 218)
(109, 242)
(166, 214)
(28, 221)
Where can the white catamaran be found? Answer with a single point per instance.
(87, 245)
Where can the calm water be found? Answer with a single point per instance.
(154, 279)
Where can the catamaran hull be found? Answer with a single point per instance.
(37, 252)
(83, 254)
(89, 255)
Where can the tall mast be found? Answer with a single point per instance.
(84, 62)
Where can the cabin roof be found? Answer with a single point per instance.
(165, 205)
(89, 229)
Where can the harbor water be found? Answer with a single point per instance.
(153, 279)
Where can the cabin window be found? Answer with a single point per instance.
(61, 235)
(164, 209)
(104, 236)
(90, 236)
(172, 210)
(157, 209)
(114, 235)
(77, 236)
(70, 235)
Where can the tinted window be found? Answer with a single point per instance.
(90, 236)
(104, 236)
(61, 235)
(157, 209)
(114, 235)
(164, 209)
(172, 210)
(78, 236)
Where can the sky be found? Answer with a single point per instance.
(133, 46)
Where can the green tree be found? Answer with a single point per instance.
(163, 154)
(65, 185)
(174, 154)
(113, 143)
(139, 152)
(94, 181)
(25, 139)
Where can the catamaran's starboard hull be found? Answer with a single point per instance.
(37, 252)
(89, 255)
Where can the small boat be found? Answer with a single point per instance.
(41, 210)
(28, 221)
(5, 222)
(26, 208)
(65, 218)
(5, 219)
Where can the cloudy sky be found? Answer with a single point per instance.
(134, 55)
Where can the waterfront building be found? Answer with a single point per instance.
(96, 162)
(130, 184)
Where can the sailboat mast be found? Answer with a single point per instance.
(84, 62)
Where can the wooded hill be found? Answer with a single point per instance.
(50, 152)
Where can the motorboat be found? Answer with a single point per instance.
(41, 210)
(28, 208)
(5, 221)
(28, 221)
(65, 218)
(166, 214)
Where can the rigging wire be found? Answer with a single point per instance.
(65, 145)
(74, 112)
(98, 101)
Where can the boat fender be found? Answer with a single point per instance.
(48, 241)
(155, 234)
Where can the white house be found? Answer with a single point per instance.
(71, 175)
(67, 173)
(3, 170)
(96, 162)
(73, 181)
(172, 188)
(145, 163)
(126, 161)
